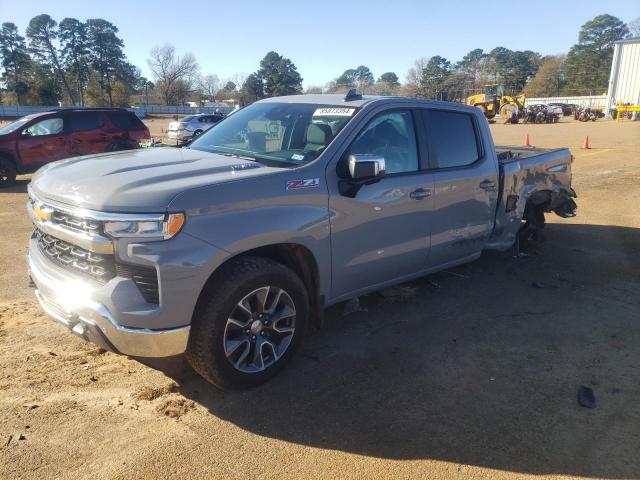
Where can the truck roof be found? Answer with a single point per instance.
(323, 99)
(338, 100)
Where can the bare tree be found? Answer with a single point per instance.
(634, 27)
(174, 75)
(238, 79)
(414, 75)
(209, 86)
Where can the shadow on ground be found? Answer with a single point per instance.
(478, 366)
(19, 187)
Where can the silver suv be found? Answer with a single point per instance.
(192, 126)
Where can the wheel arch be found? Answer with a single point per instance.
(11, 156)
(294, 256)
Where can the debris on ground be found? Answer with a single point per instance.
(151, 393)
(175, 407)
(30, 406)
(586, 397)
(399, 292)
(538, 285)
(433, 284)
(455, 274)
(352, 306)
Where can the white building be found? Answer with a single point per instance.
(624, 81)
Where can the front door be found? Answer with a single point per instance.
(465, 186)
(382, 233)
(41, 142)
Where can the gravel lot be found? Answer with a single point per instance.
(471, 373)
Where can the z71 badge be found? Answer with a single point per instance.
(306, 183)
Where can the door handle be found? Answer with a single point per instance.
(420, 193)
(488, 185)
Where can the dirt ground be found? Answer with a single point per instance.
(470, 373)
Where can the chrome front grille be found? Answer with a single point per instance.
(101, 268)
(90, 227)
(98, 266)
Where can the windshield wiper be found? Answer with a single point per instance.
(236, 155)
(240, 153)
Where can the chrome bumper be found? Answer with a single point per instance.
(93, 321)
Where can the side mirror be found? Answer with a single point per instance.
(366, 167)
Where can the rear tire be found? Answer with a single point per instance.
(231, 342)
(8, 173)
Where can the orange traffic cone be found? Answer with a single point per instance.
(526, 141)
(585, 145)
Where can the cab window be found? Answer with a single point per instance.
(390, 135)
(452, 138)
(49, 126)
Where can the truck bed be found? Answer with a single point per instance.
(509, 153)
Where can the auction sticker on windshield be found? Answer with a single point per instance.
(334, 112)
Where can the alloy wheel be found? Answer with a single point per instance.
(259, 329)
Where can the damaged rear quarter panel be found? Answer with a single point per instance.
(543, 177)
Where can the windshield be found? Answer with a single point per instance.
(279, 134)
(13, 125)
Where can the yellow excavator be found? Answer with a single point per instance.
(493, 101)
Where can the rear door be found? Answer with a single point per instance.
(127, 129)
(465, 175)
(43, 141)
(87, 135)
(381, 233)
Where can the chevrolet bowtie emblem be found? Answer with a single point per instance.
(41, 212)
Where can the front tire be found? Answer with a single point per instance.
(248, 323)
(7, 173)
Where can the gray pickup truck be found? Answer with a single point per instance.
(228, 248)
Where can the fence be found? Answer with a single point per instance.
(141, 111)
(587, 101)
(180, 110)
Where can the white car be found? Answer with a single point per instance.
(192, 126)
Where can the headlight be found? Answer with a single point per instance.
(164, 229)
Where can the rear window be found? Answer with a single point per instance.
(84, 121)
(452, 136)
(126, 120)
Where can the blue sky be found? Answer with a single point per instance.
(323, 38)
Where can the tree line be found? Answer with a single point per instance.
(83, 63)
(71, 62)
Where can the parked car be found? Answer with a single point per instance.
(227, 249)
(192, 126)
(567, 110)
(35, 140)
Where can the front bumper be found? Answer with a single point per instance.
(93, 321)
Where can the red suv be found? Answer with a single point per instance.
(32, 141)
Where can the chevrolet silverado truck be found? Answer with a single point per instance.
(225, 250)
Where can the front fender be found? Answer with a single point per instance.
(241, 216)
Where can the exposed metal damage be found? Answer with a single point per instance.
(529, 194)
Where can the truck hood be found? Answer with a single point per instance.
(138, 180)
